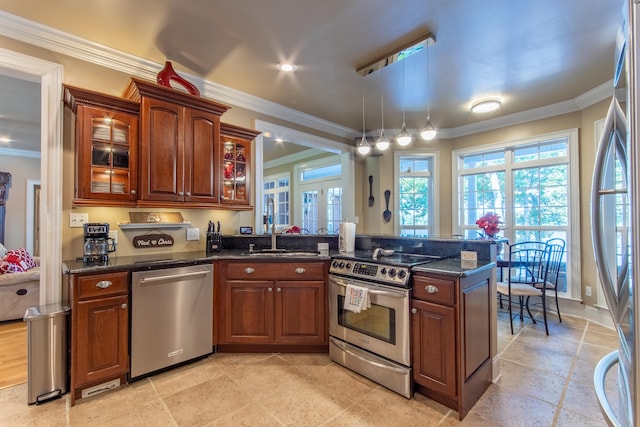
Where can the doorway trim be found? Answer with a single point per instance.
(49, 75)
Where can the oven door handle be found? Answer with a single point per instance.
(368, 361)
(393, 294)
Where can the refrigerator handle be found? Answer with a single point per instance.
(599, 376)
(614, 132)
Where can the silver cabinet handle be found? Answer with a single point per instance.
(431, 289)
(104, 284)
(414, 310)
(249, 270)
(300, 270)
(124, 305)
(278, 289)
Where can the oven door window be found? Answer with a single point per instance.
(377, 321)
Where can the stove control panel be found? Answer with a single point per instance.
(394, 275)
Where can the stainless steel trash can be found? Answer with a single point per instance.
(47, 338)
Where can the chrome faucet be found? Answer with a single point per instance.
(271, 202)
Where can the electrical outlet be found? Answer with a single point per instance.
(587, 291)
(193, 234)
(114, 235)
(78, 219)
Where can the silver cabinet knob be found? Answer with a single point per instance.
(414, 310)
(104, 284)
(133, 191)
(249, 270)
(431, 289)
(300, 270)
(124, 305)
(270, 289)
(180, 193)
(188, 193)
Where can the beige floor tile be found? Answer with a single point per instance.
(543, 352)
(348, 383)
(512, 409)
(178, 379)
(581, 398)
(586, 361)
(531, 381)
(206, 402)
(569, 418)
(601, 329)
(248, 416)
(602, 339)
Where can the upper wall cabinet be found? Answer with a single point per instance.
(106, 147)
(179, 140)
(236, 164)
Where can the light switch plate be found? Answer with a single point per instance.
(78, 219)
(193, 234)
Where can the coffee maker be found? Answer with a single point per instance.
(97, 243)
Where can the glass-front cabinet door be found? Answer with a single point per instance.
(236, 164)
(106, 140)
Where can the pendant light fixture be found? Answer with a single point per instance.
(383, 142)
(404, 137)
(363, 145)
(428, 132)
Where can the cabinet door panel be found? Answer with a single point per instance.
(161, 151)
(249, 312)
(201, 134)
(434, 357)
(477, 326)
(102, 338)
(300, 308)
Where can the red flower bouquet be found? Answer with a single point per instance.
(490, 223)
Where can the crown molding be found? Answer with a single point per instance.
(30, 32)
(16, 152)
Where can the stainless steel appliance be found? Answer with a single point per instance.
(375, 342)
(615, 220)
(171, 317)
(97, 243)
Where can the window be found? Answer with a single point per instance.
(532, 184)
(276, 188)
(416, 194)
(320, 184)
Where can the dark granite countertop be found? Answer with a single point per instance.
(452, 267)
(173, 259)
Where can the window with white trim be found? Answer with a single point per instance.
(320, 191)
(532, 184)
(276, 187)
(415, 195)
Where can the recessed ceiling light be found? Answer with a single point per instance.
(287, 67)
(4, 139)
(485, 105)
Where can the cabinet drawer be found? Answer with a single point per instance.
(99, 285)
(439, 291)
(275, 271)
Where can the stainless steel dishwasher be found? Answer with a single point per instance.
(171, 316)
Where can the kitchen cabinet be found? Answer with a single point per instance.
(236, 164)
(272, 306)
(179, 139)
(451, 337)
(99, 331)
(106, 148)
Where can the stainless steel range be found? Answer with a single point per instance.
(374, 341)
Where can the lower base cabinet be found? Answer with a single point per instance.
(451, 338)
(280, 305)
(99, 331)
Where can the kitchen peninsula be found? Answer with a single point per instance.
(265, 303)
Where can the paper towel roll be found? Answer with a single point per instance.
(347, 237)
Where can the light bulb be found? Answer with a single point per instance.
(404, 137)
(383, 142)
(428, 132)
(363, 146)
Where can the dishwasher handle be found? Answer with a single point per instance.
(168, 277)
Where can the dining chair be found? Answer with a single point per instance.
(525, 272)
(555, 251)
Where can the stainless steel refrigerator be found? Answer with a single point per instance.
(615, 217)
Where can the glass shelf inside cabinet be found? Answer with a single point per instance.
(234, 170)
(110, 154)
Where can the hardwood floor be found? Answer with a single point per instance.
(13, 353)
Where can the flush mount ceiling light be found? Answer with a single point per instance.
(287, 67)
(485, 105)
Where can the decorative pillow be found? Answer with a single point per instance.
(21, 257)
(10, 267)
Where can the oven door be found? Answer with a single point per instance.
(382, 329)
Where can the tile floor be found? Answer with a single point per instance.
(546, 381)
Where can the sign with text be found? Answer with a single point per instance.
(152, 240)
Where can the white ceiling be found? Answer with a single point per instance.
(532, 54)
